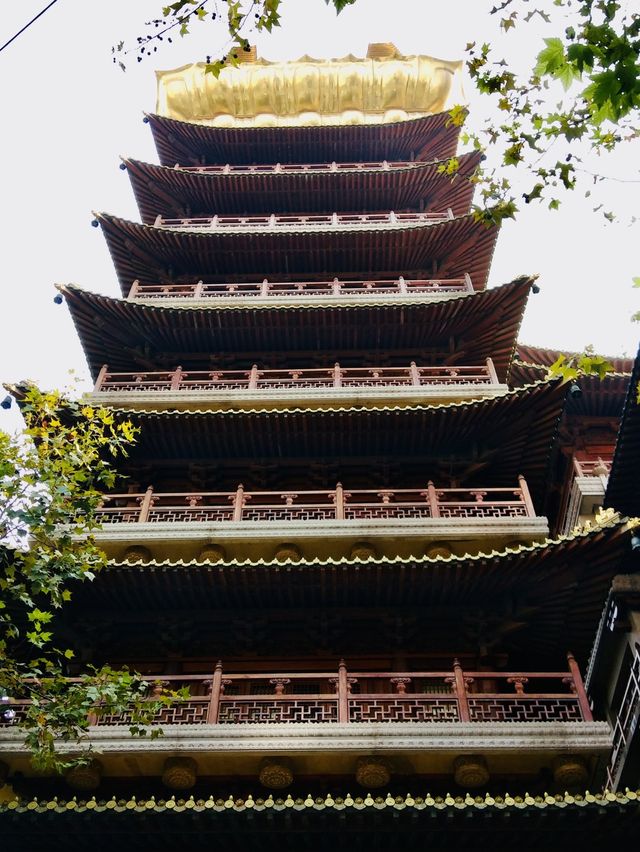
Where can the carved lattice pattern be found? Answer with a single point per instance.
(189, 712)
(259, 711)
(409, 709)
(194, 514)
(483, 510)
(522, 709)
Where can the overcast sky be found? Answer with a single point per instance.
(68, 112)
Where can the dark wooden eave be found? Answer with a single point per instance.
(368, 822)
(562, 581)
(500, 437)
(434, 137)
(171, 192)
(445, 249)
(623, 490)
(131, 335)
(544, 357)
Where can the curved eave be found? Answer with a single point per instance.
(506, 435)
(433, 137)
(544, 357)
(131, 335)
(600, 397)
(152, 255)
(623, 489)
(560, 582)
(171, 192)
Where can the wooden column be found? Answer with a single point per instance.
(145, 505)
(343, 693)
(578, 685)
(238, 503)
(526, 497)
(253, 377)
(461, 691)
(493, 376)
(176, 378)
(214, 701)
(101, 377)
(339, 502)
(433, 500)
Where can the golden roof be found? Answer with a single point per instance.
(382, 87)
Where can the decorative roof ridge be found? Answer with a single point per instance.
(611, 523)
(236, 804)
(409, 301)
(554, 351)
(611, 374)
(384, 409)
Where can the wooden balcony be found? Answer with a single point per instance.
(585, 495)
(304, 386)
(349, 697)
(335, 523)
(303, 222)
(334, 291)
(515, 724)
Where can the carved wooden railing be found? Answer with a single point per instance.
(626, 722)
(345, 697)
(260, 379)
(314, 220)
(296, 289)
(281, 168)
(592, 467)
(336, 505)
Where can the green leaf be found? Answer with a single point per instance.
(551, 58)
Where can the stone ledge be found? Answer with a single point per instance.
(486, 737)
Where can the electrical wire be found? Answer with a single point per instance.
(26, 26)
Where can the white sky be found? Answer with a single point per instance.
(69, 112)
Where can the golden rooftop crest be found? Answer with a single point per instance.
(383, 87)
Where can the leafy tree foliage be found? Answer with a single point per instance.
(51, 479)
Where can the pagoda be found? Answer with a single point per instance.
(360, 524)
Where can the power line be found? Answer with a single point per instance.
(26, 26)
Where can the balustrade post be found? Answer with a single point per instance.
(526, 497)
(393, 219)
(133, 292)
(461, 691)
(468, 282)
(433, 500)
(337, 376)
(176, 378)
(198, 290)
(264, 288)
(145, 505)
(214, 700)
(581, 692)
(339, 502)
(238, 503)
(253, 377)
(336, 287)
(493, 376)
(343, 693)
(414, 373)
(450, 213)
(158, 220)
(101, 377)
(402, 285)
